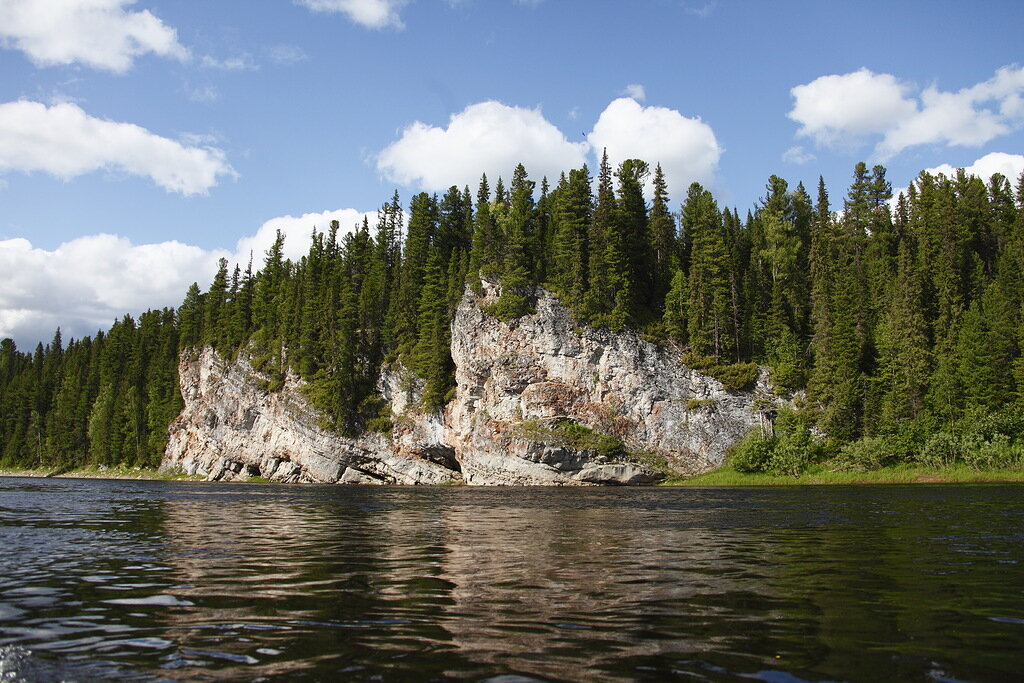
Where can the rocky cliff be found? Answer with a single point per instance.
(539, 400)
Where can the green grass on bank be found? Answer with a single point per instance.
(898, 474)
(105, 472)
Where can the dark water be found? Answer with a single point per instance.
(118, 579)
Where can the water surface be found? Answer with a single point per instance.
(188, 580)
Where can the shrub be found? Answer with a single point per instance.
(753, 454)
(999, 453)
(950, 448)
(786, 377)
(610, 447)
(869, 454)
(698, 361)
(736, 376)
(795, 446)
(697, 403)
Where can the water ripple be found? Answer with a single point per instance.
(189, 580)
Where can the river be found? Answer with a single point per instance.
(143, 580)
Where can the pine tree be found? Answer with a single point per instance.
(517, 271)
(709, 305)
(572, 216)
(661, 227)
(600, 297)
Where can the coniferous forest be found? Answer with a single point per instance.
(896, 327)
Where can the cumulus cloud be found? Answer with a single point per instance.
(854, 107)
(64, 141)
(1009, 165)
(636, 91)
(488, 137)
(844, 108)
(376, 14)
(85, 284)
(101, 34)
(685, 147)
(297, 231)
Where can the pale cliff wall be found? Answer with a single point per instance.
(518, 385)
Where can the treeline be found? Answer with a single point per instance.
(103, 400)
(890, 323)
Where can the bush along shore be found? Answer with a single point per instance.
(981, 446)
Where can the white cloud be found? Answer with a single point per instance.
(297, 231)
(375, 14)
(287, 55)
(1010, 165)
(797, 155)
(202, 94)
(850, 108)
(85, 284)
(840, 109)
(685, 147)
(64, 141)
(97, 33)
(636, 91)
(488, 137)
(242, 62)
(703, 11)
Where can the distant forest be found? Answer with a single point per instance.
(896, 327)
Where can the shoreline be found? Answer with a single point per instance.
(103, 472)
(819, 476)
(723, 477)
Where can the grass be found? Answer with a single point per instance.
(900, 474)
(106, 472)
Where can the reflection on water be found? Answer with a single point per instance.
(102, 579)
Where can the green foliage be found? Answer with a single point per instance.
(735, 376)
(695, 404)
(867, 455)
(905, 327)
(610, 447)
(789, 450)
(571, 434)
(752, 454)
(979, 441)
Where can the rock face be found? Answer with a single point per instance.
(232, 428)
(538, 401)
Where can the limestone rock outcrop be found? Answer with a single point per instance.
(539, 401)
(233, 428)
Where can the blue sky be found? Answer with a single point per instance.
(141, 141)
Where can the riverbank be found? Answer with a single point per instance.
(723, 476)
(105, 472)
(899, 474)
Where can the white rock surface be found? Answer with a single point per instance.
(540, 369)
(545, 366)
(231, 428)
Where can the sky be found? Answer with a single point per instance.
(141, 141)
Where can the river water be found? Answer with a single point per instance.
(189, 580)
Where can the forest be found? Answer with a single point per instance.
(894, 326)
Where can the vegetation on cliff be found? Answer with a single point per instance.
(897, 325)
